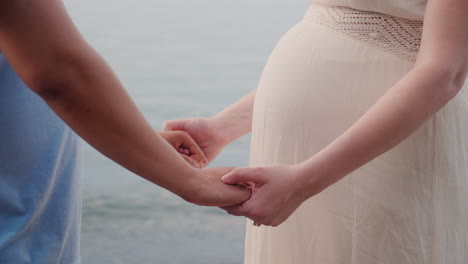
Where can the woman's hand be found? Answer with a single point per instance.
(277, 191)
(186, 146)
(213, 134)
(208, 190)
(205, 133)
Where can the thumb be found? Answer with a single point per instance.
(174, 125)
(191, 161)
(243, 176)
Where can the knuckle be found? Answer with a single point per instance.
(183, 133)
(167, 125)
(233, 211)
(259, 171)
(236, 213)
(236, 172)
(255, 214)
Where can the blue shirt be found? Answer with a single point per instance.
(40, 181)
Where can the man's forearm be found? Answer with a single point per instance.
(49, 54)
(236, 120)
(91, 100)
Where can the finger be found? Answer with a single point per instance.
(245, 210)
(241, 210)
(173, 138)
(219, 171)
(174, 125)
(186, 151)
(191, 161)
(184, 144)
(191, 148)
(243, 176)
(237, 210)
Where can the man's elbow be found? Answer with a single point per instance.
(53, 83)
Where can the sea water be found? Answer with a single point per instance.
(176, 59)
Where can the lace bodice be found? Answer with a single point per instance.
(409, 9)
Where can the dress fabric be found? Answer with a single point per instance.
(40, 179)
(409, 205)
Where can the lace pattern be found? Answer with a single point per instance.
(398, 36)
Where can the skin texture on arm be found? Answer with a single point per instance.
(50, 55)
(437, 76)
(236, 120)
(213, 134)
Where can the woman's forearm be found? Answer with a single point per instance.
(439, 73)
(415, 98)
(236, 120)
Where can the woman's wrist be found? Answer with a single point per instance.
(236, 120)
(225, 128)
(313, 177)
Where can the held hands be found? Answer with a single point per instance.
(204, 187)
(277, 191)
(204, 133)
(207, 189)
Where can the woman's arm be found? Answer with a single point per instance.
(214, 133)
(438, 75)
(236, 120)
(50, 55)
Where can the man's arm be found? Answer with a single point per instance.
(50, 55)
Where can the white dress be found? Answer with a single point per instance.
(408, 206)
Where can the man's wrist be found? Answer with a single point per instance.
(190, 188)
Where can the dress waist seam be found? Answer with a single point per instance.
(395, 35)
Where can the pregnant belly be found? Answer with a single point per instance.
(316, 84)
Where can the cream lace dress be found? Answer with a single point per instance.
(409, 205)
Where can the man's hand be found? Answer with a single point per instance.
(208, 190)
(203, 131)
(186, 146)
